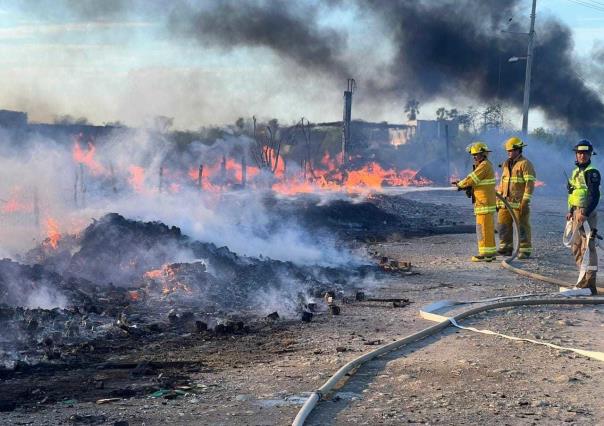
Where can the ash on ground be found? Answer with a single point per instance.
(122, 284)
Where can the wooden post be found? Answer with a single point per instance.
(161, 178)
(36, 212)
(113, 181)
(82, 186)
(243, 170)
(223, 170)
(200, 178)
(75, 188)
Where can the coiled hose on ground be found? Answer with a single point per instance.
(329, 385)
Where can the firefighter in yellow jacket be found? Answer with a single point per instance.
(517, 186)
(481, 182)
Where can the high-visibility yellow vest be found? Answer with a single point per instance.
(482, 181)
(518, 183)
(578, 196)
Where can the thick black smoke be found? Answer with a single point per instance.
(597, 68)
(442, 48)
(449, 47)
(289, 30)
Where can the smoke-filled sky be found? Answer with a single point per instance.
(207, 62)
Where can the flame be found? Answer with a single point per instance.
(166, 275)
(52, 229)
(218, 175)
(137, 178)
(295, 187)
(193, 173)
(226, 173)
(370, 176)
(15, 203)
(134, 295)
(155, 274)
(86, 157)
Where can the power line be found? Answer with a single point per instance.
(588, 5)
(599, 3)
(593, 4)
(599, 8)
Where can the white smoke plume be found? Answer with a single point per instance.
(44, 187)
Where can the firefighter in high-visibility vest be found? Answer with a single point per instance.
(583, 198)
(481, 183)
(517, 186)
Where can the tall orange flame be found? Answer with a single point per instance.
(137, 178)
(16, 203)
(52, 229)
(86, 157)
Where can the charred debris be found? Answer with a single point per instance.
(116, 282)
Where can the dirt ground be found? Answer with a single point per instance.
(457, 377)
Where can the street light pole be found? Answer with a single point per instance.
(527, 77)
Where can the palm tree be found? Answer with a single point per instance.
(412, 109)
(441, 113)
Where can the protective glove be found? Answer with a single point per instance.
(455, 183)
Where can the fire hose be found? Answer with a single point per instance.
(445, 322)
(566, 240)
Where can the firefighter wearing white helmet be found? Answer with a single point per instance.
(481, 183)
(583, 198)
(516, 186)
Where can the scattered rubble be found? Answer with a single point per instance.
(147, 295)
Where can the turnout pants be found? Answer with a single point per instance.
(485, 234)
(506, 230)
(579, 246)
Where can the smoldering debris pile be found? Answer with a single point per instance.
(122, 279)
(379, 217)
(119, 279)
(127, 253)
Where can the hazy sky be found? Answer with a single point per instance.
(107, 62)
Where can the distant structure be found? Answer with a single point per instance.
(12, 119)
(368, 133)
(428, 130)
(18, 124)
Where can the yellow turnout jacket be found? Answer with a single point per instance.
(517, 181)
(482, 182)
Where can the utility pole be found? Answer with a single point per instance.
(448, 177)
(527, 77)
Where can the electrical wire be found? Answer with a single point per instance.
(599, 3)
(584, 3)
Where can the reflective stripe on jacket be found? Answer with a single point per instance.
(517, 181)
(482, 181)
(578, 196)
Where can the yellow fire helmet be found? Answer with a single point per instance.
(514, 143)
(478, 148)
